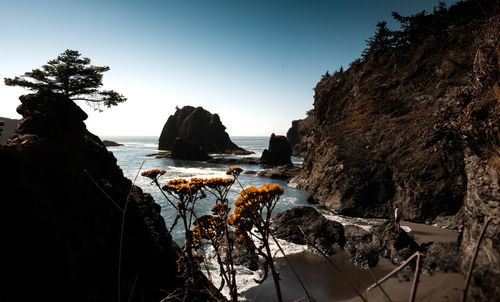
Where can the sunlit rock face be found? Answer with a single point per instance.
(198, 126)
(417, 127)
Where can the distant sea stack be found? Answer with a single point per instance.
(278, 152)
(8, 128)
(198, 126)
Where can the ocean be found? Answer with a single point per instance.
(137, 148)
(321, 280)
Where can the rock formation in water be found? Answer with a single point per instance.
(300, 136)
(418, 126)
(7, 128)
(60, 219)
(188, 151)
(279, 151)
(198, 126)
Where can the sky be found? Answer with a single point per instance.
(254, 62)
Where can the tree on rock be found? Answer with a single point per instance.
(72, 76)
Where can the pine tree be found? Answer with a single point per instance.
(72, 76)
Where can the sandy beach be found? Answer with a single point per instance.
(325, 284)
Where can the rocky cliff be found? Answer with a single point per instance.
(7, 129)
(60, 220)
(197, 125)
(300, 136)
(417, 126)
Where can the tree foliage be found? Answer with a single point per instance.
(420, 26)
(73, 76)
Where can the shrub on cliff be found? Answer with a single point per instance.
(72, 76)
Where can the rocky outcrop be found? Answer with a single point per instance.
(198, 126)
(383, 129)
(477, 119)
(61, 197)
(111, 143)
(8, 127)
(324, 233)
(300, 136)
(284, 172)
(188, 151)
(279, 151)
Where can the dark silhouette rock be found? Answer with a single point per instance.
(60, 233)
(300, 136)
(188, 151)
(324, 233)
(8, 127)
(200, 127)
(235, 161)
(278, 152)
(111, 143)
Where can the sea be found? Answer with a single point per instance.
(134, 154)
(318, 276)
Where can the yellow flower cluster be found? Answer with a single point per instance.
(235, 171)
(248, 204)
(153, 174)
(181, 187)
(184, 187)
(218, 182)
(206, 227)
(220, 209)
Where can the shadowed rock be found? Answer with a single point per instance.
(188, 151)
(279, 151)
(320, 231)
(60, 233)
(200, 127)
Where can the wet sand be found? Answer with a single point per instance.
(325, 284)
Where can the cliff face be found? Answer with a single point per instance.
(8, 128)
(60, 234)
(198, 126)
(300, 136)
(417, 126)
(378, 138)
(477, 119)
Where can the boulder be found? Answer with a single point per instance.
(442, 257)
(284, 172)
(200, 127)
(279, 151)
(324, 233)
(361, 246)
(60, 215)
(188, 151)
(397, 246)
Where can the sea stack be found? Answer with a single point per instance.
(278, 152)
(200, 127)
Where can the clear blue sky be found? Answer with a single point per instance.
(253, 62)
